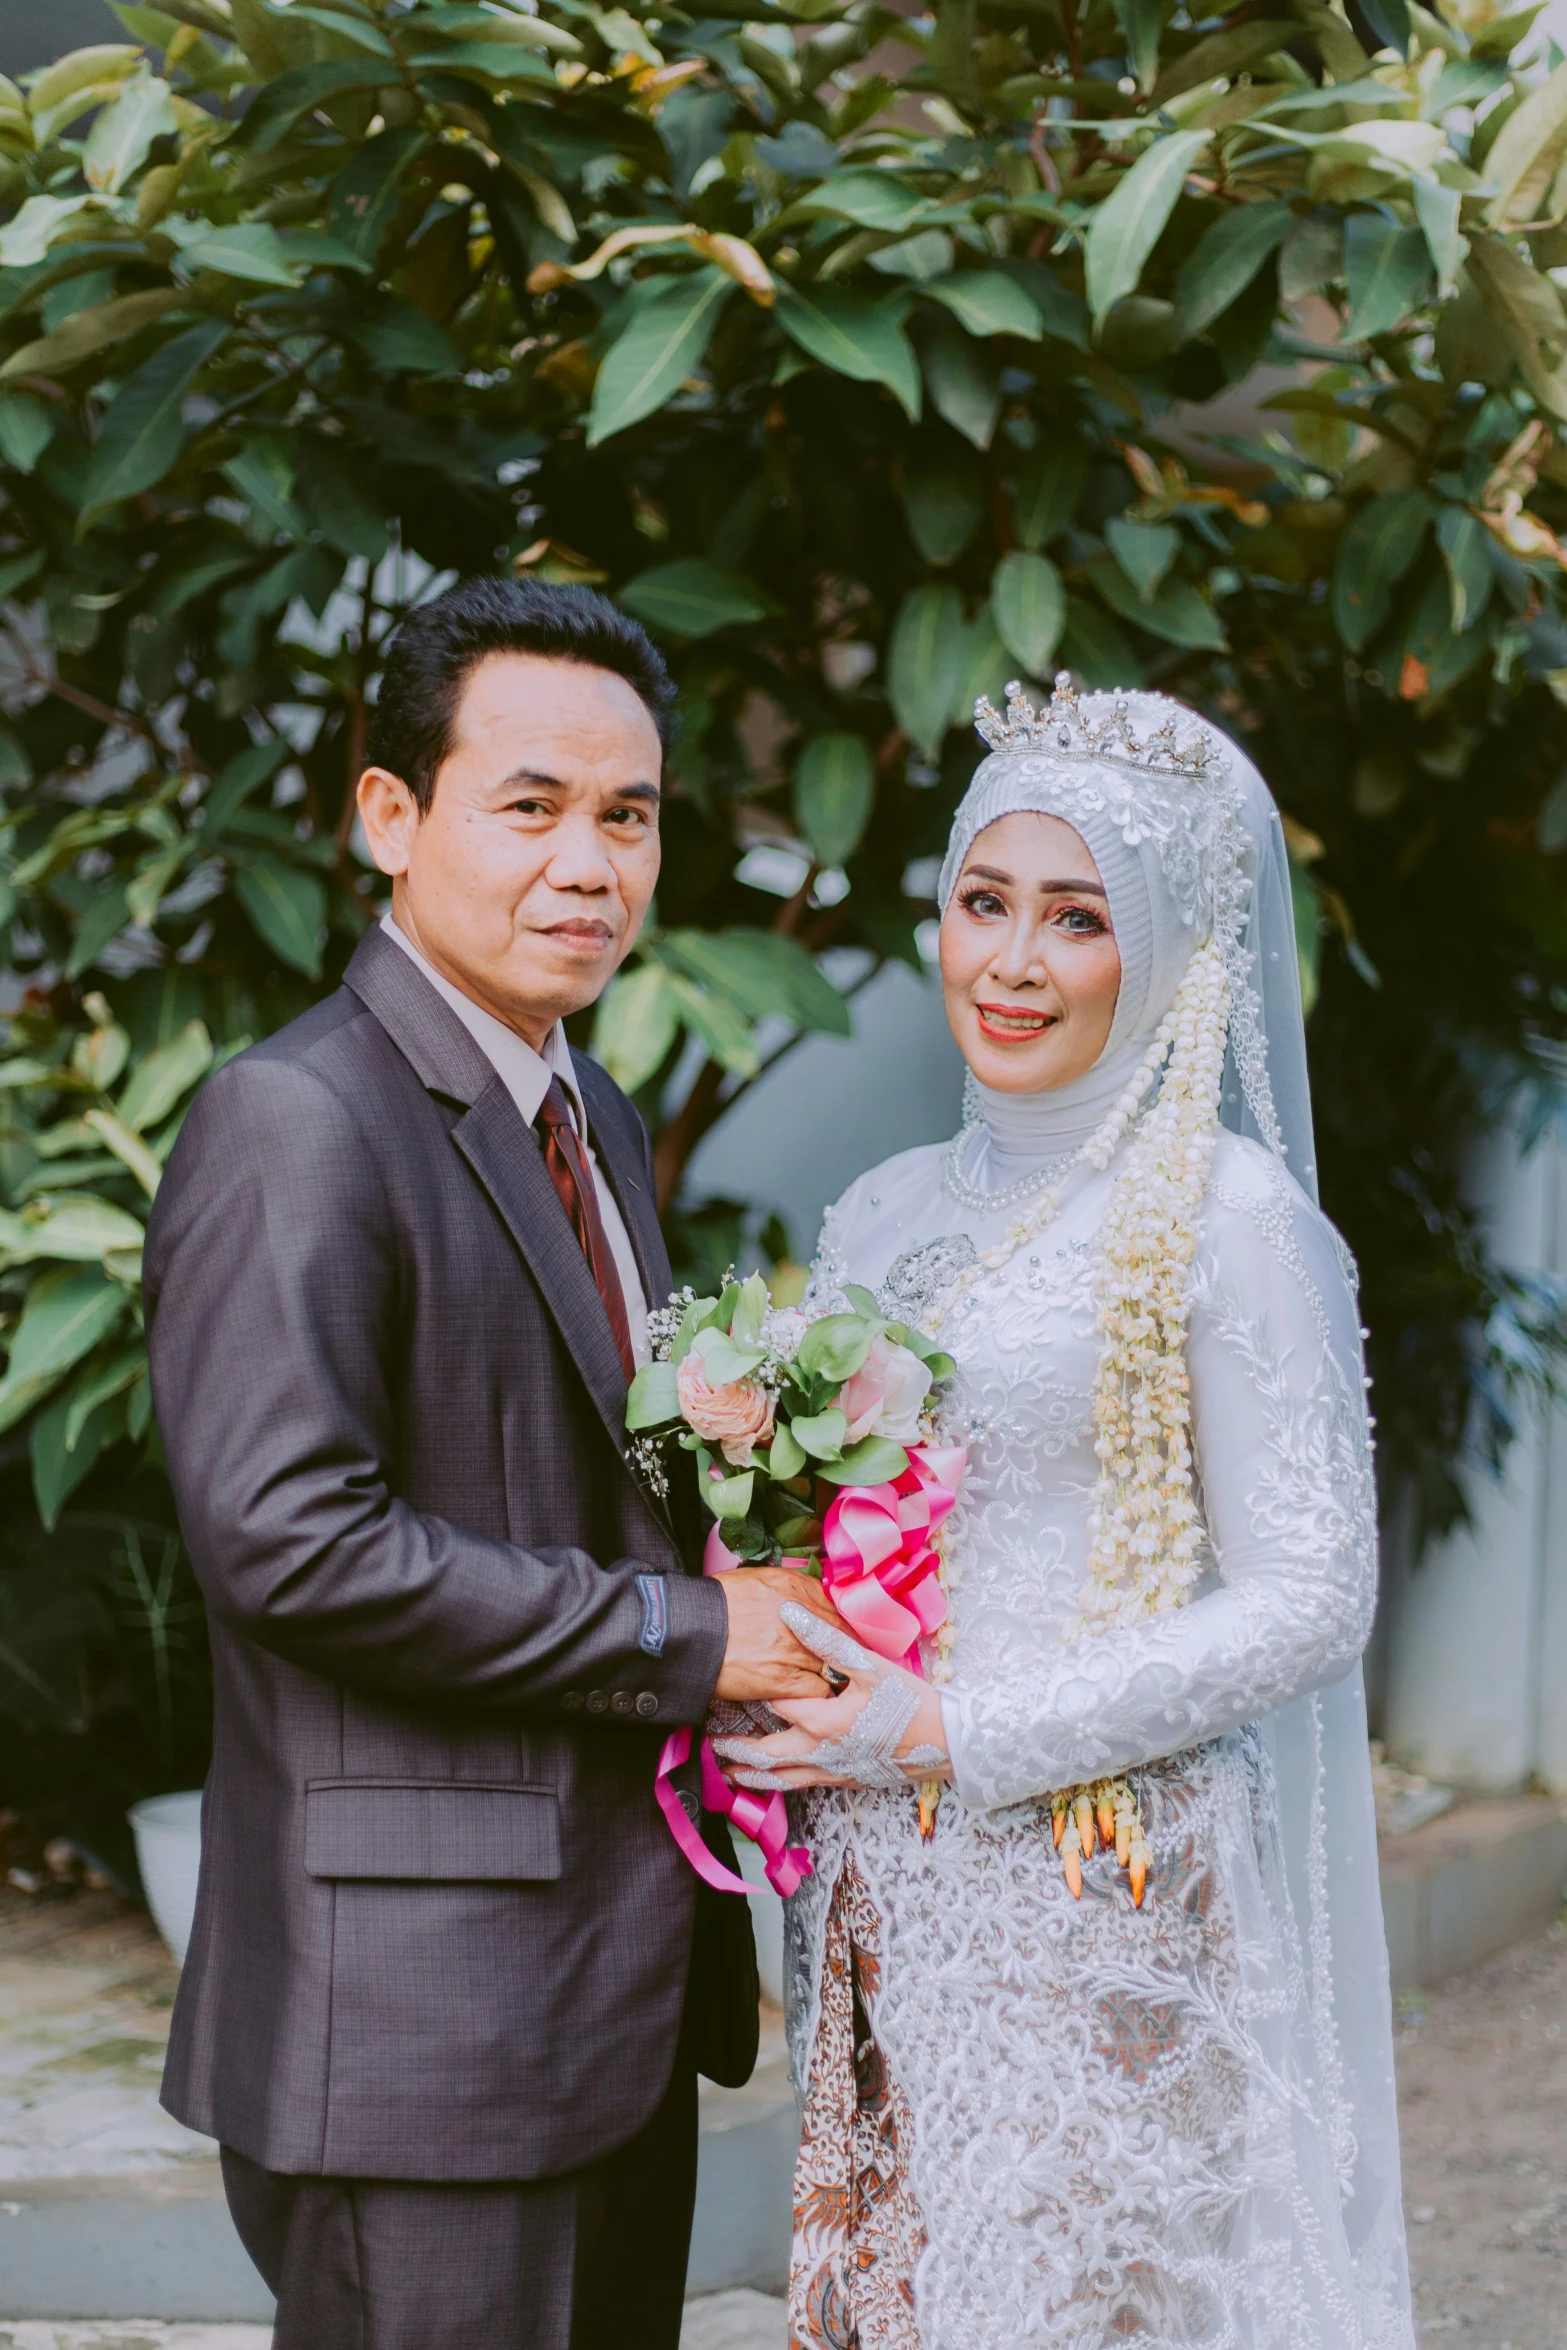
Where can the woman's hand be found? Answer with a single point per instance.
(883, 1729)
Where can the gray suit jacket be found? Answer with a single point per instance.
(443, 1931)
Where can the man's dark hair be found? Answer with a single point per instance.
(442, 642)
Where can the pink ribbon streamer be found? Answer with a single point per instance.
(880, 1568)
(764, 1818)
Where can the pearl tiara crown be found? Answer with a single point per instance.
(1064, 730)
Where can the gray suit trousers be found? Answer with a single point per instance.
(592, 2260)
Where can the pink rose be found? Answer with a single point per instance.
(886, 1395)
(734, 1415)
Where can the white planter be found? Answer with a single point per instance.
(168, 1853)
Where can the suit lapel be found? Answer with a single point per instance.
(504, 1154)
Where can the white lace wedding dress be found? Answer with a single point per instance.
(1078, 2123)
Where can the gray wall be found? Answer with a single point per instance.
(35, 32)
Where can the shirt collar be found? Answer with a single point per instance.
(525, 1073)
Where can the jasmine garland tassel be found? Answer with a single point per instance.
(1147, 1534)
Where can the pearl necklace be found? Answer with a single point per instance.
(982, 1202)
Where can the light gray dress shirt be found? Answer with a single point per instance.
(526, 1076)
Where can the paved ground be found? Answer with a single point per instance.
(1482, 2067)
(1482, 2070)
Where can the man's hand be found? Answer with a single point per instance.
(764, 1660)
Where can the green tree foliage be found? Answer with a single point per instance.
(871, 360)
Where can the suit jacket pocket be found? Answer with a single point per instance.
(448, 1831)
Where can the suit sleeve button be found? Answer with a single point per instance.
(647, 1704)
(571, 1701)
(598, 1701)
(622, 1702)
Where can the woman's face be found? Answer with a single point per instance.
(1029, 965)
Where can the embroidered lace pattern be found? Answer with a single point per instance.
(1123, 2125)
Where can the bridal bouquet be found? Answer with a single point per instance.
(809, 1436)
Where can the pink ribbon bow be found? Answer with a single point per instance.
(881, 1564)
(764, 1818)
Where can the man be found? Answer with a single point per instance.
(451, 1978)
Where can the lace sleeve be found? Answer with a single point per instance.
(1282, 1442)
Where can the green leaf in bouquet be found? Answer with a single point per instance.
(786, 1456)
(822, 1433)
(864, 1301)
(654, 1399)
(729, 1497)
(939, 1366)
(873, 1461)
(798, 1531)
(835, 1347)
(723, 1362)
(698, 1314)
(751, 1309)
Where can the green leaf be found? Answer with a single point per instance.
(87, 332)
(834, 1347)
(871, 199)
(1177, 613)
(1437, 209)
(338, 495)
(1029, 604)
(402, 340)
(763, 972)
(662, 344)
(1375, 552)
(729, 1497)
(1528, 152)
(1466, 550)
(121, 135)
(727, 1036)
(1224, 260)
(987, 302)
(143, 431)
(834, 790)
(1140, 22)
(1048, 489)
(1127, 226)
(1144, 550)
(278, 104)
(654, 1399)
(1389, 20)
(925, 665)
(964, 379)
(854, 336)
(785, 1458)
(58, 1468)
(19, 571)
(944, 499)
(66, 1315)
(157, 1083)
(491, 61)
(987, 667)
(875, 1460)
(362, 201)
(107, 914)
(1388, 271)
(638, 1020)
(288, 910)
(236, 780)
(251, 250)
(97, 1384)
(27, 426)
(694, 598)
(73, 1227)
(263, 474)
(821, 1434)
(1225, 53)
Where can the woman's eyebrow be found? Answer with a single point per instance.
(1088, 889)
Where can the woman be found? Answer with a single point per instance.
(1101, 2053)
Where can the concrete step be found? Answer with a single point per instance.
(1483, 1876)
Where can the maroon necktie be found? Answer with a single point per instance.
(573, 1179)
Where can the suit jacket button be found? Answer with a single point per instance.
(647, 1704)
(622, 1702)
(571, 1701)
(598, 1701)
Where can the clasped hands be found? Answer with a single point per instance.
(855, 1719)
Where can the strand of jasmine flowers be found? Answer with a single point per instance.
(1146, 1533)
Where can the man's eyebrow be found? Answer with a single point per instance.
(534, 775)
(1090, 889)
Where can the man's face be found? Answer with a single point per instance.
(527, 881)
